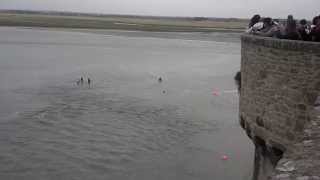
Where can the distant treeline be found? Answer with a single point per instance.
(64, 13)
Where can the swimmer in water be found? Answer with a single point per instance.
(89, 81)
(81, 80)
(237, 79)
(160, 80)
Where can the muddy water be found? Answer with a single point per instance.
(125, 125)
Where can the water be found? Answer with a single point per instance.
(126, 125)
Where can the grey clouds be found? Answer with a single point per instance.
(209, 8)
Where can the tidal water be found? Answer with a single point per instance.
(126, 124)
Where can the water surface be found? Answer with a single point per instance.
(126, 125)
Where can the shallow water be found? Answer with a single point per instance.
(126, 125)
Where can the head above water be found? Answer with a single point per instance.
(237, 79)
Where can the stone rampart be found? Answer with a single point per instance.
(280, 85)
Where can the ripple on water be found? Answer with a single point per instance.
(95, 132)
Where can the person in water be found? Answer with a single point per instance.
(160, 80)
(237, 79)
(81, 80)
(89, 81)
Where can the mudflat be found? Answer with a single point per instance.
(164, 24)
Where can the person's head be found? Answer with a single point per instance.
(303, 22)
(290, 19)
(315, 20)
(255, 19)
(267, 22)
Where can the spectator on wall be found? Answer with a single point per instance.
(287, 30)
(315, 31)
(291, 31)
(304, 30)
(255, 19)
(255, 24)
(289, 19)
(270, 29)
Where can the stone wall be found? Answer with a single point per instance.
(280, 85)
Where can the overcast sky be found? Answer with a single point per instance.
(210, 8)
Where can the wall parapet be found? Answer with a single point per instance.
(280, 83)
(284, 44)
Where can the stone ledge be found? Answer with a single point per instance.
(305, 46)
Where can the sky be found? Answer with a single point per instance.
(208, 8)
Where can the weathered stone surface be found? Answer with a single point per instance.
(308, 143)
(259, 121)
(286, 166)
(283, 177)
(303, 178)
(278, 101)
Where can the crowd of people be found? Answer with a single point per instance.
(289, 29)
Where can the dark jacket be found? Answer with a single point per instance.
(315, 33)
(294, 35)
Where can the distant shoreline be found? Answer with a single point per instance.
(114, 22)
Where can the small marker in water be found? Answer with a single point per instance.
(224, 157)
(215, 93)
